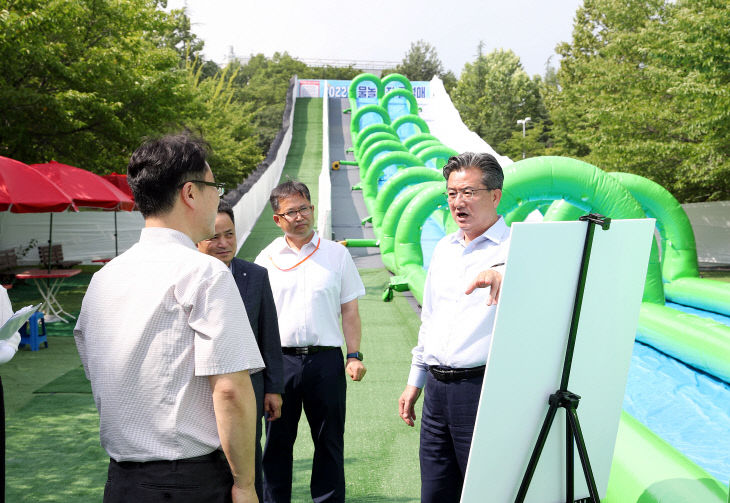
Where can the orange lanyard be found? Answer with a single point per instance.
(298, 263)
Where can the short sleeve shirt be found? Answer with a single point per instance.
(309, 296)
(154, 324)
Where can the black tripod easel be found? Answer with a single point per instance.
(563, 398)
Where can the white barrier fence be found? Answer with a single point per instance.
(711, 225)
(248, 209)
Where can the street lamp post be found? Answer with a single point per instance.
(523, 122)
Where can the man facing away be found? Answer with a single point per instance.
(314, 281)
(165, 341)
(456, 324)
(253, 285)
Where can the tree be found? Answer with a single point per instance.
(644, 89)
(494, 92)
(226, 124)
(82, 81)
(422, 63)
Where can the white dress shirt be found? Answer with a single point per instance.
(456, 329)
(309, 296)
(9, 347)
(154, 323)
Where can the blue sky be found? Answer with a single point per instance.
(377, 30)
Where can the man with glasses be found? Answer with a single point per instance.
(165, 341)
(314, 282)
(456, 324)
(253, 284)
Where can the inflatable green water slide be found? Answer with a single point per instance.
(399, 163)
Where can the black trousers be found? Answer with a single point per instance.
(316, 383)
(447, 426)
(257, 382)
(182, 481)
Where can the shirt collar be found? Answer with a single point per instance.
(496, 233)
(163, 235)
(283, 246)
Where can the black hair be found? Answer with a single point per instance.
(224, 207)
(160, 165)
(492, 175)
(288, 189)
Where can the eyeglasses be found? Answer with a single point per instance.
(292, 214)
(220, 187)
(466, 194)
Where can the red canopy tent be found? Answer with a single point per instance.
(120, 182)
(24, 190)
(87, 189)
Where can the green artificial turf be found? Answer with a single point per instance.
(73, 381)
(53, 451)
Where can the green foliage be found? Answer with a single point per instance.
(493, 93)
(422, 63)
(226, 124)
(533, 144)
(82, 81)
(643, 88)
(263, 82)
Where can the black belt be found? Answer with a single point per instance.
(205, 458)
(448, 374)
(306, 350)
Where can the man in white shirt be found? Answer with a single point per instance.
(314, 281)
(456, 324)
(165, 341)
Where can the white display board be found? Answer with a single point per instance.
(528, 349)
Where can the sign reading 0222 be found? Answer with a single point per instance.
(337, 91)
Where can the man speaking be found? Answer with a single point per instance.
(456, 324)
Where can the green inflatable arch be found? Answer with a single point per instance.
(423, 145)
(408, 252)
(679, 250)
(370, 130)
(520, 213)
(376, 169)
(393, 187)
(561, 210)
(390, 224)
(417, 138)
(397, 77)
(355, 125)
(401, 93)
(410, 119)
(584, 186)
(377, 148)
(439, 154)
(363, 77)
(373, 138)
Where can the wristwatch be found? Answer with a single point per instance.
(356, 354)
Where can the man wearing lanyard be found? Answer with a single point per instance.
(314, 281)
(456, 324)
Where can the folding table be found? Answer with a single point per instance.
(48, 283)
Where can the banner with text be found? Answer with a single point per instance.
(340, 89)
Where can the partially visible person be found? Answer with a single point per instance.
(253, 284)
(8, 348)
(456, 325)
(165, 341)
(315, 282)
